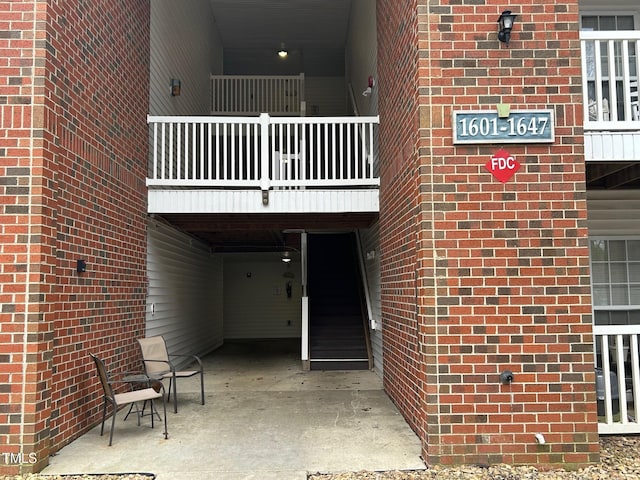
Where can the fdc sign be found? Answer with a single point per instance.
(502, 165)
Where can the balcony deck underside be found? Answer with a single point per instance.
(254, 202)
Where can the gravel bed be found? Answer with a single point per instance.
(619, 460)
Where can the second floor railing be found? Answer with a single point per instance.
(263, 152)
(610, 72)
(249, 94)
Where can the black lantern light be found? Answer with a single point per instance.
(506, 22)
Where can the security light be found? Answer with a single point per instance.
(506, 22)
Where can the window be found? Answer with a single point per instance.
(615, 279)
(607, 22)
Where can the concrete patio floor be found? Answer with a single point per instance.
(264, 418)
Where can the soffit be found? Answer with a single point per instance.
(299, 24)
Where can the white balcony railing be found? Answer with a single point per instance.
(610, 72)
(248, 94)
(617, 378)
(263, 152)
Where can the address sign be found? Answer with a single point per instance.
(521, 126)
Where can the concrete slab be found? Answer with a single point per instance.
(264, 418)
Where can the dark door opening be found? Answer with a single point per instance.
(338, 336)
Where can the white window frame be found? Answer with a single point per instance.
(630, 307)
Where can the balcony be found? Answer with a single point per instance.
(610, 72)
(242, 160)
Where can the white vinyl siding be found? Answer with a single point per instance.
(184, 296)
(325, 96)
(184, 45)
(361, 54)
(613, 213)
(256, 304)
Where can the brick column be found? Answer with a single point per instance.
(73, 159)
(27, 254)
(499, 271)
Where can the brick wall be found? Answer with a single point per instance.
(72, 188)
(398, 107)
(501, 270)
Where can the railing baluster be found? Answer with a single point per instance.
(194, 151)
(370, 156)
(341, 135)
(232, 159)
(154, 147)
(256, 153)
(635, 373)
(172, 127)
(303, 152)
(202, 153)
(310, 159)
(336, 168)
(622, 390)
(613, 96)
(224, 152)
(626, 81)
(606, 370)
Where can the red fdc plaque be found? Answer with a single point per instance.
(502, 165)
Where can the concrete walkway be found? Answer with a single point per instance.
(264, 418)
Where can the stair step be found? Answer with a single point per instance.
(339, 365)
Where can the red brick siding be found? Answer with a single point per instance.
(398, 107)
(26, 253)
(87, 201)
(502, 273)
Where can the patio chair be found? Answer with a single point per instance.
(158, 365)
(118, 400)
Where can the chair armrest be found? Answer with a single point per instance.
(169, 364)
(195, 357)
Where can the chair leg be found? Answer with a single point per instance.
(164, 407)
(104, 416)
(202, 387)
(129, 412)
(173, 382)
(113, 424)
(152, 408)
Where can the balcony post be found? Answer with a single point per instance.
(265, 181)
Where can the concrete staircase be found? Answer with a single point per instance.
(337, 336)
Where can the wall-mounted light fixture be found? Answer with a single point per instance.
(506, 22)
(81, 266)
(286, 258)
(175, 87)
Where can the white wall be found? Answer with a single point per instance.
(184, 301)
(325, 96)
(361, 51)
(613, 213)
(370, 243)
(255, 300)
(185, 45)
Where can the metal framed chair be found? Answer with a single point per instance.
(158, 364)
(117, 400)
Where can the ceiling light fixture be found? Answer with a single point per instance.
(282, 53)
